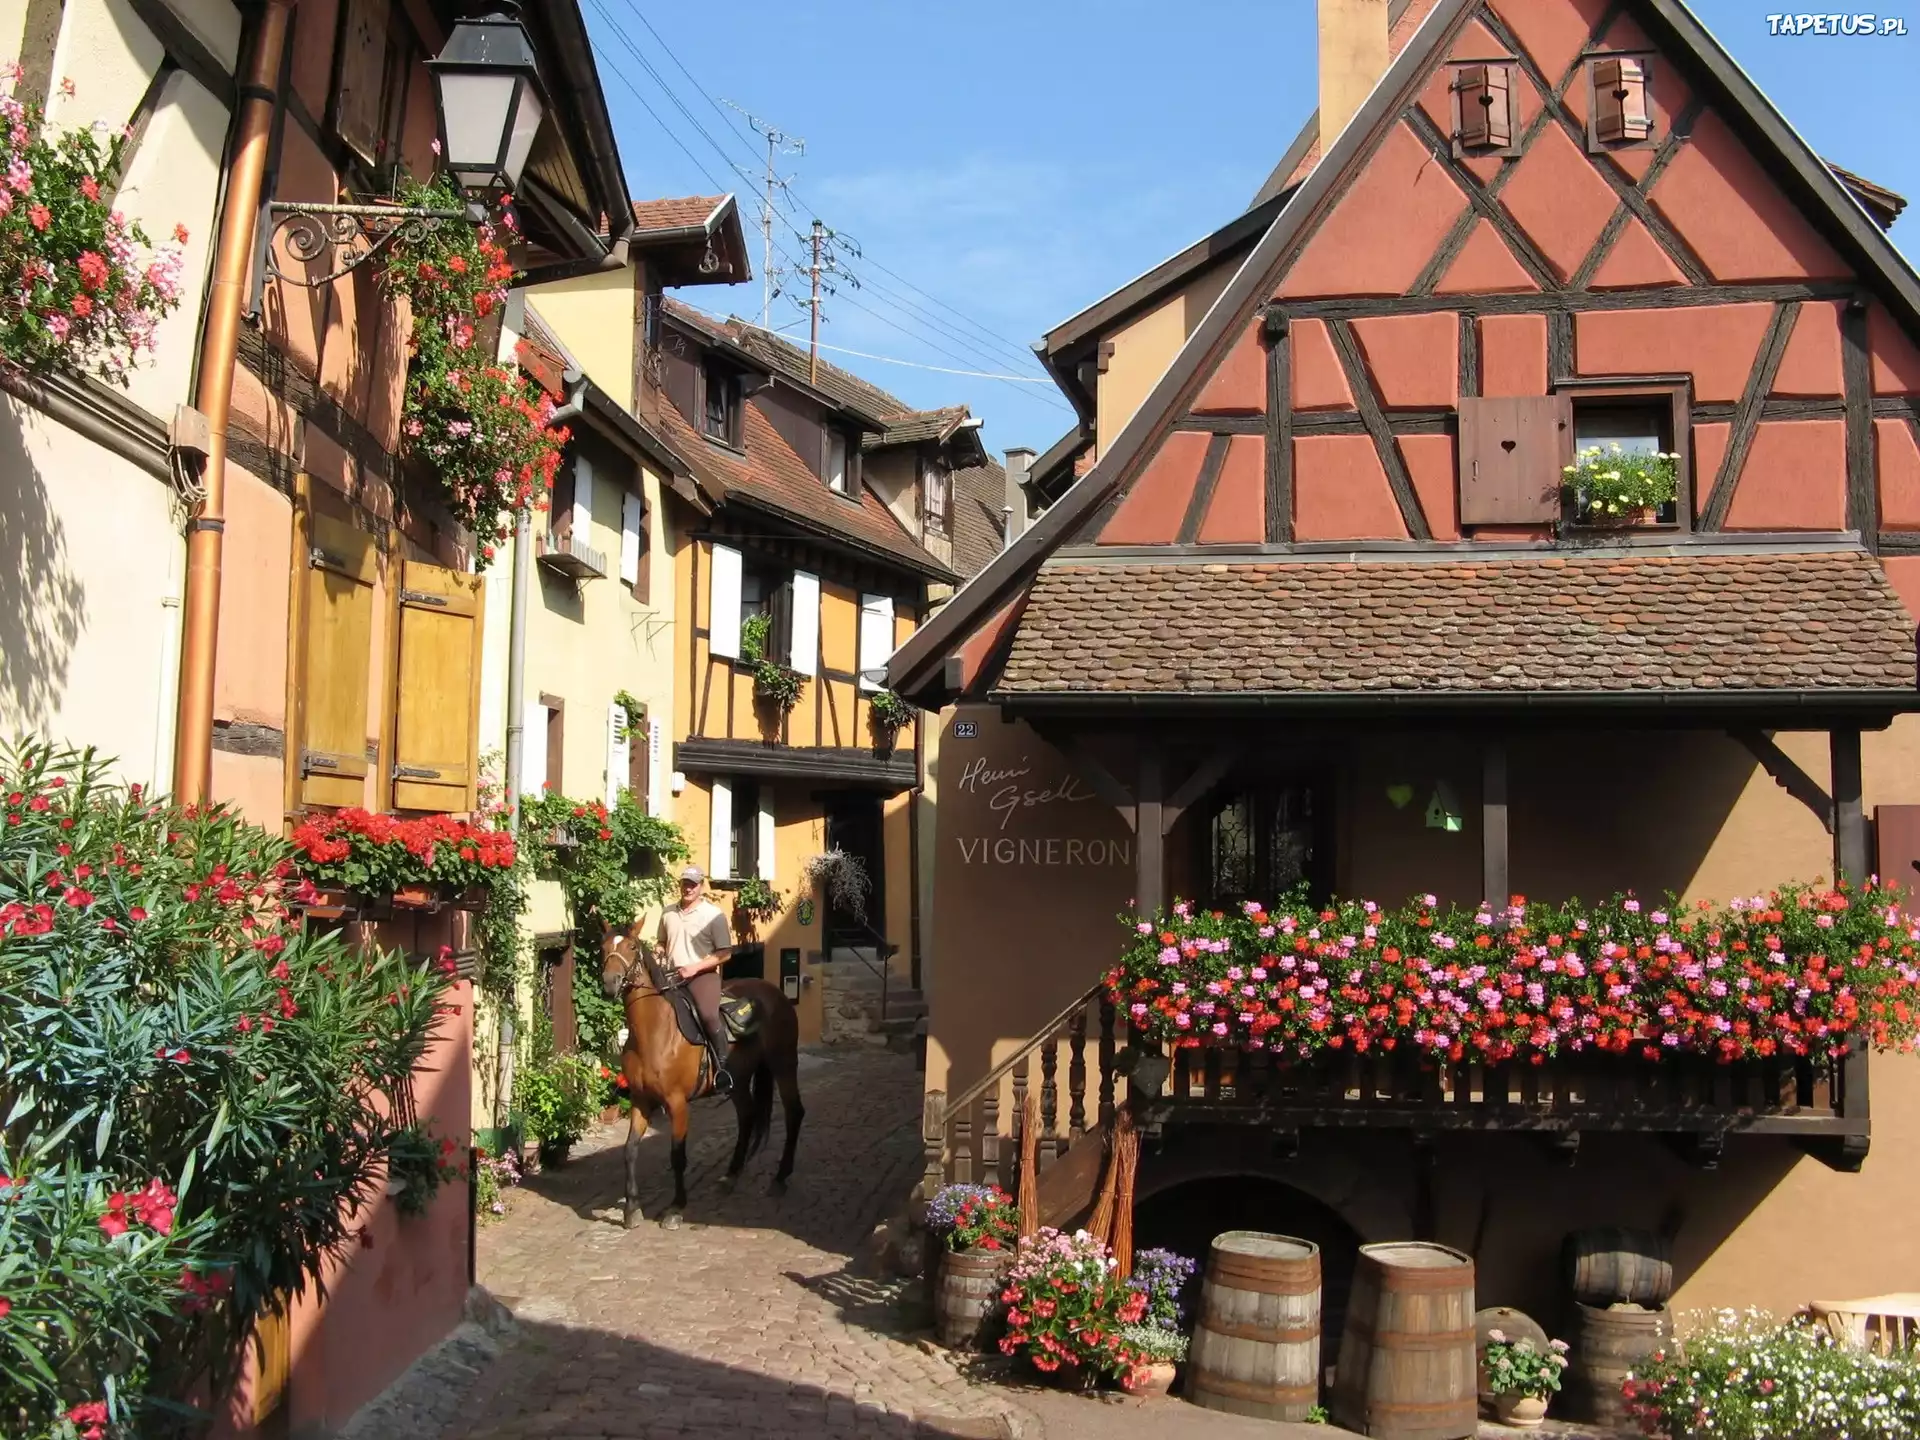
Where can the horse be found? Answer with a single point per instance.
(663, 1069)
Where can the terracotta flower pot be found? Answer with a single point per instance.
(1158, 1381)
(1523, 1412)
(416, 897)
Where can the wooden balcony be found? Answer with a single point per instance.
(1085, 1065)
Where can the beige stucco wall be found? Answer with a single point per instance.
(593, 316)
(894, 475)
(1145, 346)
(91, 566)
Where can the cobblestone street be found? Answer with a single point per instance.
(753, 1321)
(747, 1321)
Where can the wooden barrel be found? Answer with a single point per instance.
(1607, 1344)
(965, 1295)
(1256, 1346)
(1614, 1265)
(1407, 1364)
(1512, 1324)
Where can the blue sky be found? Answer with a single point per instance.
(1002, 165)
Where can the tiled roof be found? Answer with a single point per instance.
(917, 426)
(978, 492)
(1615, 623)
(677, 213)
(772, 475)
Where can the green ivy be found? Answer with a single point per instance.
(771, 681)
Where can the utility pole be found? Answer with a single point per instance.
(778, 143)
(813, 305)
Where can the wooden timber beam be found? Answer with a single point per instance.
(1494, 871)
(1789, 776)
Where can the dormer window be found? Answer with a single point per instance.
(839, 476)
(720, 406)
(935, 506)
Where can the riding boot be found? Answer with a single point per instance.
(722, 1077)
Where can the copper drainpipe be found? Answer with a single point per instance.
(219, 353)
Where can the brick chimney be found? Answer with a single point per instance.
(1019, 465)
(1353, 57)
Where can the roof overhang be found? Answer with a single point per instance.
(712, 252)
(826, 535)
(888, 771)
(585, 130)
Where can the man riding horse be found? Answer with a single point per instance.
(696, 940)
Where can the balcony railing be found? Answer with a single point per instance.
(974, 1136)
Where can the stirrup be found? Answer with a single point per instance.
(721, 1090)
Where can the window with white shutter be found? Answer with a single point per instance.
(631, 537)
(803, 651)
(720, 832)
(533, 750)
(763, 850)
(583, 500)
(876, 637)
(723, 607)
(619, 752)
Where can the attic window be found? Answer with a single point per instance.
(1622, 108)
(720, 409)
(934, 506)
(1483, 108)
(838, 470)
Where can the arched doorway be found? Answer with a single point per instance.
(1185, 1216)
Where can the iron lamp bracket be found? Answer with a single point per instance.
(344, 237)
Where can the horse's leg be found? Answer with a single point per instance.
(743, 1113)
(677, 1113)
(636, 1132)
(786, 1070)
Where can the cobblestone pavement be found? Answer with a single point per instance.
(750, 1321)
(754, 1320)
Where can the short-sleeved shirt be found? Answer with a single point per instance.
(690, 936)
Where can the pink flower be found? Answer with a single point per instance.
(59, 325)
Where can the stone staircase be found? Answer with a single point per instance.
(851, 1000)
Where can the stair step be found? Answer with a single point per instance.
(898, 1025)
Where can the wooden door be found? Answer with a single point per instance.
(436, 732)
(854, 825)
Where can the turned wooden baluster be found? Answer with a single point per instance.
(1050, 1097)
(963, 1145)
(1106, 1061)
(993, 1164)
(1077, 1074)
(1019, 1103)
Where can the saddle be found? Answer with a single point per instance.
(741, 1016)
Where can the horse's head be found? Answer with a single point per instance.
(619, 953)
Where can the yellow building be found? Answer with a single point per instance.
(834, 516)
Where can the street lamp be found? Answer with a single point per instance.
(487, 88)
(487, 91)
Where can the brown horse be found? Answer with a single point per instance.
(663, 1069)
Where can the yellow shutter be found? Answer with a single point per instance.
(341, 565)
(436, 730)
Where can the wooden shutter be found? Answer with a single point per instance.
(630, 538)
(720, 832)
(341, 566)
(780, 622)
(1620, 109)
(560, 1011)
(723, 606)
(359, 107)
(803, 650)
(876, 636)
(640, 762)
(619, 753)
(436, 730)
(556, 737)
(763, 840)
(1486, 106)
(654, 806)
(1511, 453)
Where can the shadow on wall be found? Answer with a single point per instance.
(43, 605)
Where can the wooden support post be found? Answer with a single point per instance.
(1149, 834)
(1493, 825)
(1849, 817)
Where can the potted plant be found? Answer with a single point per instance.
(1522, 1377)
(1160, 1353)
(889, 713)
(976, 1228)
(413, 864)
(754, 901)
(1068, 1309)
(559, 1098)
(419, 1162)
(1610, 485)
(773, 683)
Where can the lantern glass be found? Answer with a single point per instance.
(488, 88)
(475, 109)
(527, 115)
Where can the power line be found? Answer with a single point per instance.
(944, 327)
(920, 365)
(1053, 400)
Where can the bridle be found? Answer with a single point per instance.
(639, 972)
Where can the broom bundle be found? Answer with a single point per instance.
(1101, 1225)
(1126, 1163)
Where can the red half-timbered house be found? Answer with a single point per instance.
(1322, 613)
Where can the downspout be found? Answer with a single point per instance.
(219, 353)
(517, 726)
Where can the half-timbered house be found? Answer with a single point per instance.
(1320, 613)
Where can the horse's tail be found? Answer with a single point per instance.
(760, 1122)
